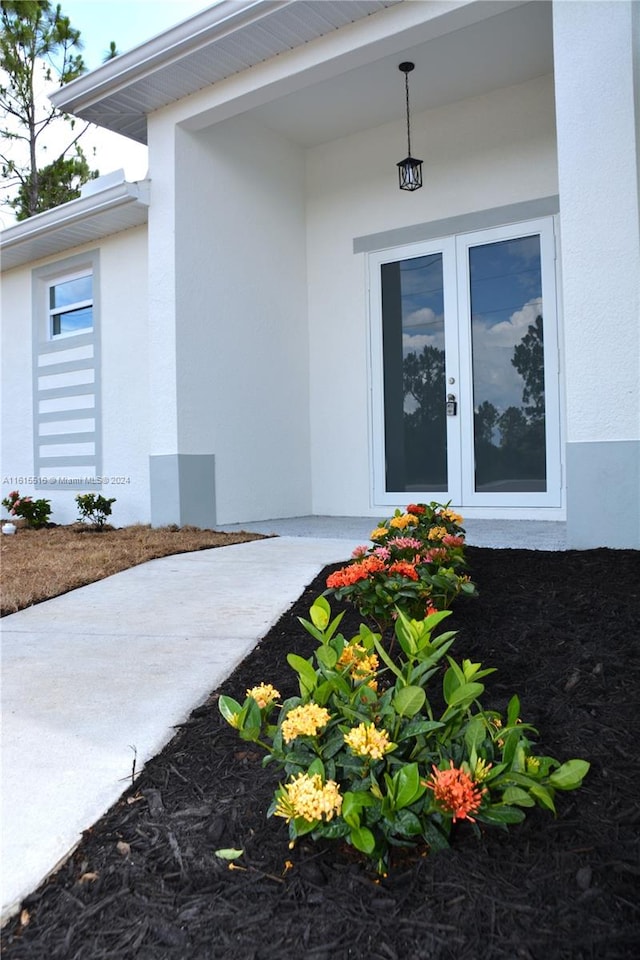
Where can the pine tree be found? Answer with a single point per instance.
(38, 44)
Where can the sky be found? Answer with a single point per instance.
(506, 298)
(129, 23)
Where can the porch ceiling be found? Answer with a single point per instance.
(508, 48)
(461, 48)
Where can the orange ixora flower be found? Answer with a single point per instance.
(455, 791)
(405, 569)
(360, 570)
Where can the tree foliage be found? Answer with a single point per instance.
(38, 45)
(528, 359)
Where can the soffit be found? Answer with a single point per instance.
(212, 46)
(86, 220)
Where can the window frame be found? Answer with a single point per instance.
(54, 312)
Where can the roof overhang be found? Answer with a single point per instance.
(225, 39)
(109, 205)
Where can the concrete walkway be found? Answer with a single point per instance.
(113, 666)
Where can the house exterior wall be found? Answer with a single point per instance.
(597, 58)
(122, 374)
(478, 154)
(239, 320)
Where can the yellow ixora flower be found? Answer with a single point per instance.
(437, 533)
(378, 533)
(405, 520)
(360, 664)
(304, 721)
(264, 694)
(307, 797)
(366, 741)
(451, 516)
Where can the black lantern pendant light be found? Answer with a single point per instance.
(409, 169)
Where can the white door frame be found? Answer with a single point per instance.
(460, 439)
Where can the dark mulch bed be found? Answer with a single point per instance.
(563, 629)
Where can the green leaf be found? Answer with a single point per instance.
(409, 700)
(322, 692)
(382, 653)
(518, 796)
(363, 839)
(229, 854)
(352, 805)
(570, 775)
(417, 727)
(474, 733)
(229, 708)
(299, 826)
(432, 621)
(543, 797)
(501, 814)
(407, 824)
(308, 678)
(316, 767)
(327, 656)
(320, 613)
(436, 839)
(250, 720)
(407, 786)
(468, 692)
(513, 710)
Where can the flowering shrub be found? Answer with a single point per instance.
(416, 564)
(367, 757)
(94, 508)
(35, 513)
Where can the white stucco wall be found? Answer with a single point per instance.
(597, 63)
(123, 375)
(242, 345)
(17, 406)
(478, 154)
(598, 169)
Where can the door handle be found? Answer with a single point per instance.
(452, 405)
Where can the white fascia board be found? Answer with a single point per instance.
(191, 35)
(73, 212)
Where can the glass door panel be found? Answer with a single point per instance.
(507, 350)
(413, 350)
(464, 364)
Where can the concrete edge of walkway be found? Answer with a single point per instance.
(121, 663)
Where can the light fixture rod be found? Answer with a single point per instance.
(406, 68)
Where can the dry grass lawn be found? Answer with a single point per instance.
(40, 564)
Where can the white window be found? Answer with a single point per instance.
(67, 437)
(70, 305)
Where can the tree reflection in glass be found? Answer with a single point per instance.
(508, 366)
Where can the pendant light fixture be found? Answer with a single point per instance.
(409, 169)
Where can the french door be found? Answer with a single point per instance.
(464, 359)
